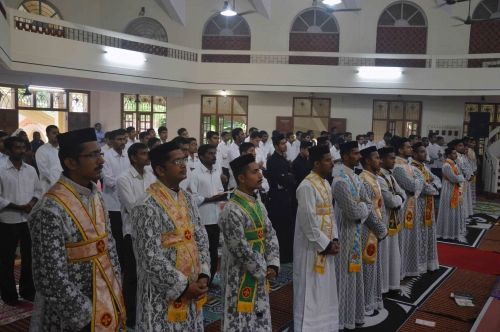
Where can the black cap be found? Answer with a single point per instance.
(240, 162)
(365, 153)
(73, 138)
(347, 147)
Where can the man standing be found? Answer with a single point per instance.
(291, 152)
(163, 132)
(250, 255)
(131, 186)
(370, 136)
(19, 191)
(208, 193)
(428, 259)
(192, 157)
(47, 159)
(267, 144)
(394, 197)
(182, 132)
(466, 171)
(238, 137)
(3, 156)
(352, 207)
(131, 137)
(173, 263)
(385, 142)
(282, 188)
(316, 306)
(75, 266)
(99, 134)
(301, 167)
(37, 142)
(374, 232)
(116, 163)
(435, 155)
(223, 155)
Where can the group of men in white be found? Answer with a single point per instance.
(168, 212)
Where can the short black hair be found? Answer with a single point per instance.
(9, 142)
(448, 151)
(388, 134)
(130, 129)
(179, 140)
(298, 133)
(143, 134)
(161, 129)
(211, 134)
(236, 132)
(398, 142)
(305, 145)
(191, 139)
(263, 132)
(152, 141)
(412, 137)
(3, 134)
(358, 137)
(161, 154)
(316, 153)
(203, 149)
(134, 149)
(289, 134)
(255, 134)
(117, 132)
(370, 133)
(180, 131)
(224, 133)
(244, 147)
(49, 128)
(253, 129)
(107, 134)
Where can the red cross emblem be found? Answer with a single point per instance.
(106, 320)
(177, 304)
(370, 250)
(246, 292)
(409, 216)
(101, 246)
(260, 234)
(187, 234)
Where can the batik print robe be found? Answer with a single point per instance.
(468, 173)
(238, 257)
(372, 273)
(394, 197)
(349, 212)
(472, 159)
(159, 282)
(451, 216)
(63, 300)
(409, 239)
(427, 250)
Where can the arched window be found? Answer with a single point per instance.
(484, 35)
(314, 30)
(39, 7)
(147, 27)
(226, 33)
(402, 29)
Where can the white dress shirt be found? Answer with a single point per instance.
(106, 147)
(205, 184)
(17, 187)
(131, 186)
(114, 166)
(185, 183)
(260, 156)
(223, 154)
(268, 147)
(49, 166)
(3, 159)
(433, 152)
(381, 144)
(335, 153)
(193, 162)
(234, 152)
(128, 144)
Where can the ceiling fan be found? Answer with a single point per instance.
(469, 20)
(228, 10)
(441, 3)
(333, 10)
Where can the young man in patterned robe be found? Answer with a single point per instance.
(316, 244)
(75, 264)
(468, 173)
(352, 208)
(171, 248)
(250, 255)
(374, 232)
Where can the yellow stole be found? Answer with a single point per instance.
(429, 199)
(370, 250)
(324, 211)
(456, 194)
(108, 308)
(181, 239)
(410, 201)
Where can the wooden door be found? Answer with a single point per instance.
(9, 120)
(339, 123)
(78, 121)
(284, 124)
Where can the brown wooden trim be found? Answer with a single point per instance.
(404, 120)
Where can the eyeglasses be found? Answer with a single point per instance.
(92, 155)
(180, 162)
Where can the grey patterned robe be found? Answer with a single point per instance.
(468, 172)
(64, 290)
(348, 213)
(238, 257)
(158, 281)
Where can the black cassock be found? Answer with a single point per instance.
(281, 196)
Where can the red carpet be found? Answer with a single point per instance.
(469, 258)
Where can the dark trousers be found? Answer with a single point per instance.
(129, 280)
(115, 218)
(10, 236)
(213, 233)
(225, 171)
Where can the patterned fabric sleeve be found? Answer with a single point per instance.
(399, 190)
(406, 182)
(448, 173)
(428, 188)
(50, 271)
(231, 223)
(374, 224)
(350, 208)
(391, 200)
(201, 237)
(151, 256)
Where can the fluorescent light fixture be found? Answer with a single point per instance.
(125, 57)
(380, 73)
(223, 93)
(227, 10)
(45, 88)
(331, 2)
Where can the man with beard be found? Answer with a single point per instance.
(75, 265)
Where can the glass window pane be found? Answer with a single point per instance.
(42, 99)
(380, 109)
(321, 107)
(240, 105)
(159, 104)
(302, 107)
(209, 105)
(59, 100)
(7, 98)
(129, 120)
(240, 122)
(396, 110)
(144, 122)
(159, 119)
(79, 102)
(209, 123)
(24, 100)
(413, 111)
(316, 124)
(129, 103)
(225, 123)
(470, 108)
(498, 113)
(490, 109)
(144, 103)
(398, 128)
(224, 105)
(379, 128)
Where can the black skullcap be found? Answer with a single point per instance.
(347, 147)
(73, 138)
(239, 163)
(383, 152)
(317, 152)
(365, 153)
(277, 138)
(454, 143)
(416, 146)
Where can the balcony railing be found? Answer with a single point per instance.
(62, 29)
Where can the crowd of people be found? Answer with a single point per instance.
(127, 230)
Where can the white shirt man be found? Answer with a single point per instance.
(114, 165)
(205, 183)
(3, 159)
(295, 149)
(49, 166)
(268, 147)
(234, 152)
(223, 154)
(193, 162)
(435, 154)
